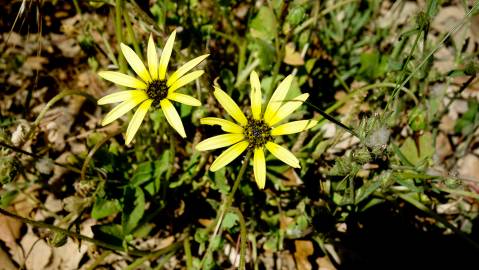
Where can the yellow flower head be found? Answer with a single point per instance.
(153, 88)
(257, 131)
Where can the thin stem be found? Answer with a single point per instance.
(77, 7)
(98, 260)
(243, 76)
(93, 151)
(40, 224)
(187, 248)
(436, 48)
(21, 151)
(330, 118)
(242, 237)
(226, 205)
(131, 33)
(119, 34)
(151, 256)
(50, 103)
(314, 19)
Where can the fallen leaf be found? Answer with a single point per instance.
(325, 263)
(443, 147)
(292, 57)
(7, 263)
(469, 167)
(10, 232)
(34, 63)
(38, 252)
(304, 249)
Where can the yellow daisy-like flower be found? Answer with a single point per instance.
(255, 132)
(153, 88)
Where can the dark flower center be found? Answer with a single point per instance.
(257, 132)
(157, 91)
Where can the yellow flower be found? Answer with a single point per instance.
(255, 132)
(153, 88)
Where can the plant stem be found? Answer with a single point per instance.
(21, 151)
(77, 7)
(40, 224)
(49, 104)
(187, 248)
(226, 205)
(93, 151)
(242, 237)
(98, 260)
(151, 256)
(453, 30)
(119, 34)
(131, 34)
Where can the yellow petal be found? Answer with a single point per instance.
(186, 80)
(118, 97)
(122, 79)
(124, 107)
(137, 119)
(277, 98)
(293, 127)
(165, 56)
(229, 155)
(219, 141)
(185, 99)
(283, 154)
(230, 106)
(226, 125)
(152, 58)
(288, 108)
(184, 69)
(172, 117)
(255, 95)
(259, 167)
(135, 63)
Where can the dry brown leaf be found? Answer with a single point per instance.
(10, 232)
(5, 261)
(34, 63)
(443, 147)
(469, 167)
(285, 260)
(38, 251)
(293, 178)
(68, 256)
(304, 249)
(325, 263)
(292, 57)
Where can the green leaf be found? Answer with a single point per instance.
(467, 122)
(109, 233)
(220, 181)
(230, 220)
(103, 208)
(418, 155)
(7, 197)
(263, 26)
(265, 52)
(150, 173)
(133, 208)
(367, 189)
(373, 65)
